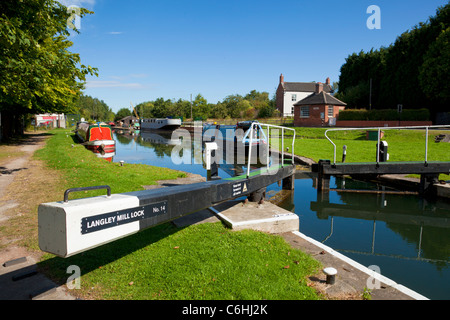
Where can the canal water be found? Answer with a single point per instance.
(405, 237)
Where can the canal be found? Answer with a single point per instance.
(405, 236)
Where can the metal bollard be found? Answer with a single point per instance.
(344, 153)
(331, 275)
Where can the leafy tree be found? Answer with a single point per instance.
(219, 111)
(200, 107)
(122, 113)
(245, 109)
(162, 108)
(356, 74)
(38, 73)
(413, 71)
(435, 71)
(93, 109)
(144, 109)
(266, 111)
(257, 99)
(233, 106)
(183, 109)
(231, 102)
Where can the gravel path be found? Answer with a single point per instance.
(19, 278)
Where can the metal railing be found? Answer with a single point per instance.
(268, 126)
(378, 138)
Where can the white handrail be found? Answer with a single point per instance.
(385, 128)
(268, 143)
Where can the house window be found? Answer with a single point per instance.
(304, 112)
(330, 111)
(294, 97)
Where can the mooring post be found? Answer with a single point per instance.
(426, 182)
(288, 183)
(257, 196)
(323, 180)
(344, 153)
(211, 160)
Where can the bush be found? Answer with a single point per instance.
(353, 115)
(385, 115)
(415, 115)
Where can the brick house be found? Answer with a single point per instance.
(317, 109)
(289, 93)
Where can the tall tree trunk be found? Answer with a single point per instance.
(11, 124)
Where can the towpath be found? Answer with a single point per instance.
(19, 278)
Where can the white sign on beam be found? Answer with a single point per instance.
(66, 229)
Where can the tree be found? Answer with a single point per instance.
(37, 71)
(413, 71)
(231, 102)
(93, 109)
(145, 109)
(266, 111)
(434, 74)
(122, 113)
(162, 108)
(233, 106)
(200, 108)
(183, 108)
(219, 111)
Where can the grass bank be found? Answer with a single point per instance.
(82, 168)
(205, 261)
(403, 145)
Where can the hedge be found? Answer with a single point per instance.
(386, 115)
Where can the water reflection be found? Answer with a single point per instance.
(405, 235)
(157, 148)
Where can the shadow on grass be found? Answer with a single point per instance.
(27, 138)
(75, 139)
(56, 267)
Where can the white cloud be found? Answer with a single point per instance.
(113, 84)
(130, 76)
(138, 75)
(78, 3)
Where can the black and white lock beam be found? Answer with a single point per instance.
(67, 228)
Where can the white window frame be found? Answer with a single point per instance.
(330, 108)
(294, 97)
(304, 112)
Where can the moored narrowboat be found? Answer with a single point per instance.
(160, 124)
(97, 137)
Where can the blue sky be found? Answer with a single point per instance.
(146, 49)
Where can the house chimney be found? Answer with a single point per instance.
(327, 81)
(319, 87)
(281, 78)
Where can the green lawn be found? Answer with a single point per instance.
(206, 261)
(403, 145)
(82, 168)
